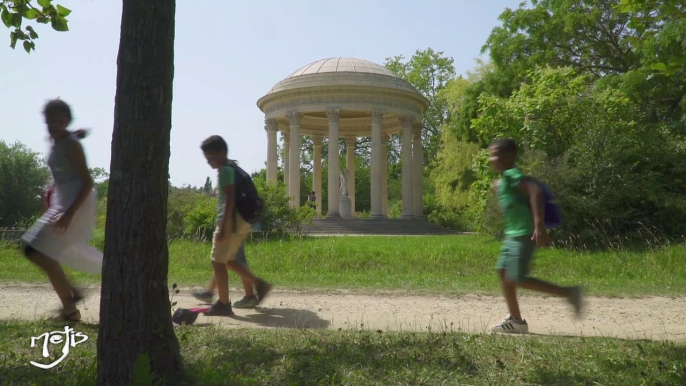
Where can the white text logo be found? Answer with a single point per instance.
(67, 337)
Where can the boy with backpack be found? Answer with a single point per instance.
(249, 300)
(237, 207)
(523, 202)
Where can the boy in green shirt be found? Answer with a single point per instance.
(521, 201)
(231, 231)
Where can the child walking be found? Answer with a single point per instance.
(61, 235)
(521, 201)
(249, 299)
(231, 231)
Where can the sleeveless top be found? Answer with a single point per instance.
(63, 171)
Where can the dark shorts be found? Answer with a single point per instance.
(515, 257)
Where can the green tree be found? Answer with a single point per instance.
(461, 96)
(545, 113)
(13, 13)
(208, 186)
(23, 177)
(587, 35)
(429, 72)
(102, 182)
(590, 36)
(655, 19)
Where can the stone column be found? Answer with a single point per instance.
(317, 174)
(408, 212)
(334, 167)
(350, 165)
(294, 159)
(384, 175)
(376, 213)
(417, 174)
(272, 167)
(286, 156)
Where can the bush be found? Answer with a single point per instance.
(616, 173)
(181, 202)
(452, 177)
(279, 219)
(192, 214)
(200, 221)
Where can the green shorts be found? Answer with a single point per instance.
(515, 257)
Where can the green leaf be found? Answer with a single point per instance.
(30, 14)
(63, 11)
(59, 24)
(659, 67)
(44, 3)
(16, 20)
(28, 46)
(20, 34)
(13, 40)
(7, 19)
(32, 33)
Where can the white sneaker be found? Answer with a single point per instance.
(511, 326)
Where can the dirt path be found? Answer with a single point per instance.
(656, 318)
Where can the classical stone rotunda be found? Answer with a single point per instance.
(347, 98)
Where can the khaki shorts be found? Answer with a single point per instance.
(227, 249)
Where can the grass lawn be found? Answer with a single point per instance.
(215, 356)
(432, 264)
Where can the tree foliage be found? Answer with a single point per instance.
(14, 12)
(587, 35)
(582, 86)
(23, 178)
(429, 72)
(657, 19)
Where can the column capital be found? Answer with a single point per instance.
(285, 136)
(406, 120)
(271, 124)
(334, 115)
(294, 118)
(377, 116)
(317, 140)
(350, 141)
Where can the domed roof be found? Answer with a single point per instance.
(347, 72)
(342, 65)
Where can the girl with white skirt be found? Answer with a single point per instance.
(62, 234)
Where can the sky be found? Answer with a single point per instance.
(228, 54)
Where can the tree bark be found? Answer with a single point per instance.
(135, 309)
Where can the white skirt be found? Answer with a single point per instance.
(71, 247)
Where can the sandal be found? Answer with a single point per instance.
(74, 316)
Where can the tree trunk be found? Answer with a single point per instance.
(135, 309)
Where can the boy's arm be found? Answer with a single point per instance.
(230, 193)
(535, 195)
(227, 185)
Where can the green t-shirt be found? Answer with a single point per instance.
(227, 177)
(519, 220)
